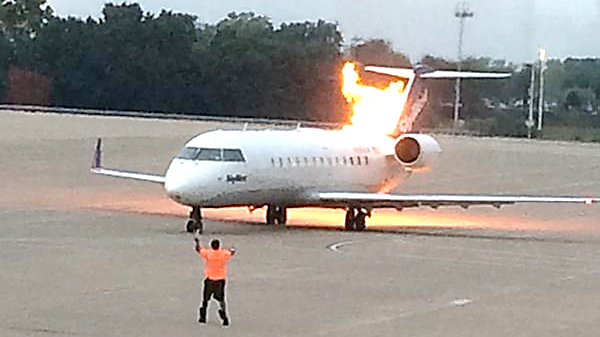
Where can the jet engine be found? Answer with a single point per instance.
(416, 151)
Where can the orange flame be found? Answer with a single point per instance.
(374, 110)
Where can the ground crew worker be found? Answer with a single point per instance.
(215, 271)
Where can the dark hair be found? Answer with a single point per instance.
(215, 244)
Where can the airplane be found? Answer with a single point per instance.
(308, 167)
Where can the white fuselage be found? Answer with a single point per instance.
(280, 167)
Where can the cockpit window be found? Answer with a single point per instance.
(209, 155)
(232, 155)
(188, 153)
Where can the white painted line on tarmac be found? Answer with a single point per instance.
(334, 247)
(461, 302)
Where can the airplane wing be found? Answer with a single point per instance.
(433, 200)
(98, 169)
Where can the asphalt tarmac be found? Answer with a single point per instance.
(83, 255)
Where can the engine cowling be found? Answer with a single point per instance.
(416, 151)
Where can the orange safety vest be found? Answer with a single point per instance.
(215, 263)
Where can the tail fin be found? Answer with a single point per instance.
(417, 93)
(415, 97)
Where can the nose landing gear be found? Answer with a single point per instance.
(194, 223)
(356, 219)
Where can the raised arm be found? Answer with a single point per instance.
(197, 240)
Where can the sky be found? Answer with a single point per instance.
(513, 30)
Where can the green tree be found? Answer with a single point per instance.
(23, 19)
(554, 79)
(6, 50)
(237, 65)
(258, 70)
(583, 74)
(377, 52)
(70, 54)
(577, 99)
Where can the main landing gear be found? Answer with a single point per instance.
(194, 223)
(356, 219)
(276, 215)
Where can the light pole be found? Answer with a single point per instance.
(530, 123)
(462, 13)
(542, 57)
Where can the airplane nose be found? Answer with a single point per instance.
(183, 183)
(174, 188)
(175, 184)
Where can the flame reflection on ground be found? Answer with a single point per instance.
(134, 202)
(384, 218)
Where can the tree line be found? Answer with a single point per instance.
(246, 66)
(170, 62)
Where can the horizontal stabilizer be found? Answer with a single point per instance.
(398, 72)
(435, 74)
(445, 74)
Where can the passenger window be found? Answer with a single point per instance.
(366, 160)
(289, 161)
(280, 162)
(358, 161)
(233, 155)
(337, 160)
(322, 161)
(306, 161)
(273, 161)
(297, 161)
(314, 161)
(209, 155)
(344, 160)
(351, 161)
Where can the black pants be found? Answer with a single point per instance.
(214, 289)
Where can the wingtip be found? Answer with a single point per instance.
(97, 161)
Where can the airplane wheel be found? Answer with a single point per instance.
(193, 225)
(195, 221)
(276, 215)
(190, 225)
(360, 222)
(349, 222)
(281, 215)
(270, 215)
